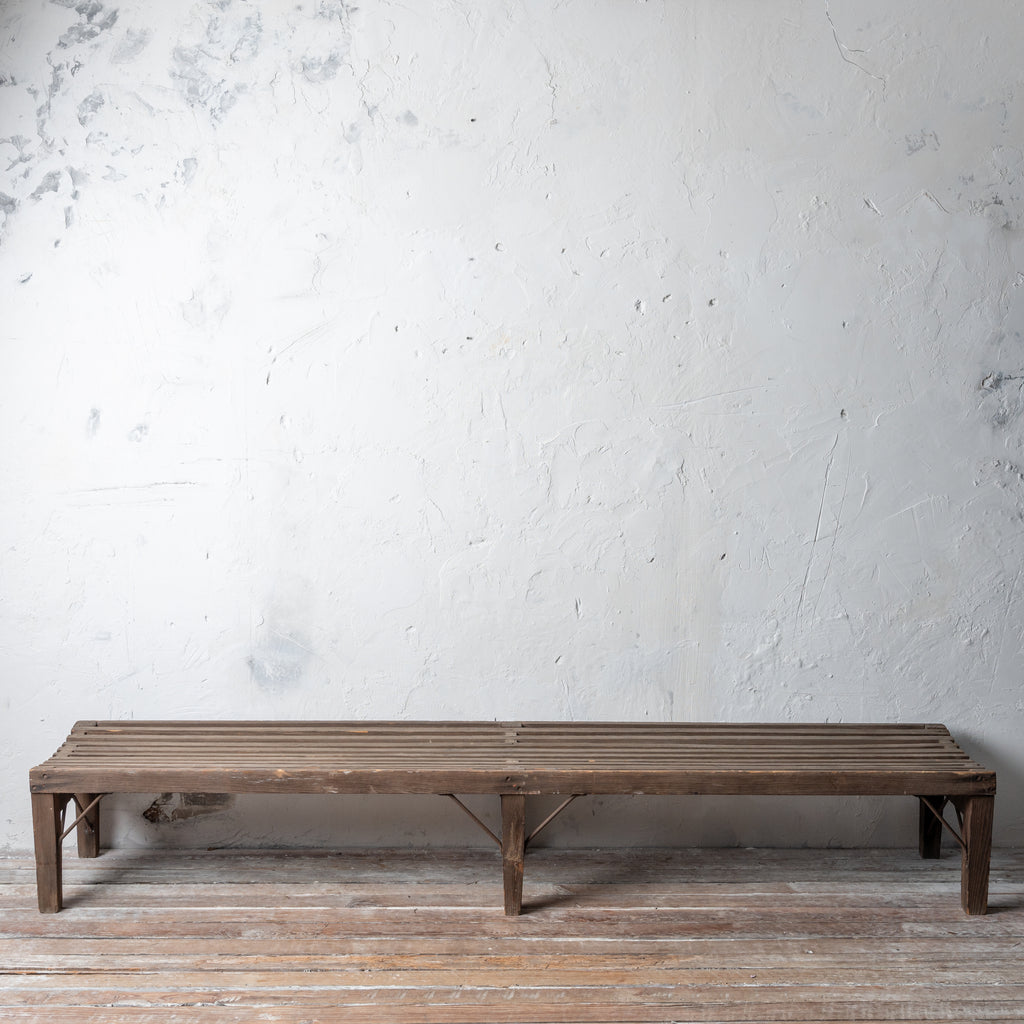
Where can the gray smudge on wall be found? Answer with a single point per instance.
(279, 662)
(169, 807)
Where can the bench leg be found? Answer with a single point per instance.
(89, 827)
(46, 822)
(513, 849)
(977, 834)
(929, 827)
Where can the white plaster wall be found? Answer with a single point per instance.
(512, 359)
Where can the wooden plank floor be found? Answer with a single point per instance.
(419, 936)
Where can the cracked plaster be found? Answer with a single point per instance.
(512, 360)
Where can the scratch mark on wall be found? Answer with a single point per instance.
(997, 661)
(817, 526)
(302, 339)
(835, 532)
(708, 398)
(845, 51)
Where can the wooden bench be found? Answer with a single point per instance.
(512, 761)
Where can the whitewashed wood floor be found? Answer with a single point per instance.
(419, 936)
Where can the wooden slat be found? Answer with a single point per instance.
(498, 757)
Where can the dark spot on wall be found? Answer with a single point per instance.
(921, 140)
(995, 380)
(410, 119)
(8, 204)
(138, 433)
(92, 426)
(170, 807)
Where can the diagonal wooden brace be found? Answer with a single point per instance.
(452, 796)
(932, 824)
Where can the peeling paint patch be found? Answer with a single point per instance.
(187, 170)
(201, 70)
(93, 22)
(131, 46)
(320, 69)
(90, 106)
(50, 183)
(995, 380)
(334, 9)
(21, 144)
(171, 807)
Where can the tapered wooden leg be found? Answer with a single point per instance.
(89, 827)
(929, 827)
(513, 849)
(46, 808)
(977, 834)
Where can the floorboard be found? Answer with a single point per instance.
(418, 937)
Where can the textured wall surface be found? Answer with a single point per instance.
(511, 359)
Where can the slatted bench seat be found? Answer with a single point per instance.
(513, 762)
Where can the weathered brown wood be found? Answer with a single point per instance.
(513, 760)
(977, 834)
(513, 850)
(46, 828)
(518, 1012)
(874, 939)
(929, 827)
